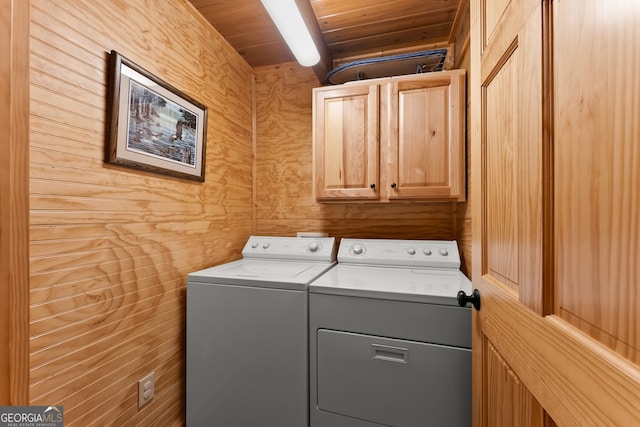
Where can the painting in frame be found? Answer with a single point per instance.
(154, 126)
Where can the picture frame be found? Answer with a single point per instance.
(153, 126)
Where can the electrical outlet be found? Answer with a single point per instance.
(146, 389)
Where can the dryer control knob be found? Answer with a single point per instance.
(255, 245)
(357, 249)
(427, 251)
(444, 252)
(411, 251)
(313, 247)
(266, 245)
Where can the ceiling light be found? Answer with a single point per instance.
(287, 17)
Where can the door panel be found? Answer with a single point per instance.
(492, 13)
(423, 137)
(501, 175)
(501, 384)
(597, 170)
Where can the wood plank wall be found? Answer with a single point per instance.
(285, 204)
(463, 60)
(111, 247)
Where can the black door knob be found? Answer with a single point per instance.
(474, 299)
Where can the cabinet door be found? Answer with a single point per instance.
(346, 142)
(426, 136)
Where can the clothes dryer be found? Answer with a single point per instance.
(389, 343)
(247, 334)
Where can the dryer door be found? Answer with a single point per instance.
(393, 382)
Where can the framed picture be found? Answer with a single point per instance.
(153, 126)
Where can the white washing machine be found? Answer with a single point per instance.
(247, 334)
(389, 343)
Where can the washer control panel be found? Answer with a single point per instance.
(405, 253)
(291, 248)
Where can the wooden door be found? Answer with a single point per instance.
(14, 202)
(346, 142)
(555, 105)
(5, 178)
(424, 136)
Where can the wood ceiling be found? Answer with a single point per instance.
(343, 29)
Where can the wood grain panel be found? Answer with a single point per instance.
(349, 26)
(111, 247)
(365, 26)
(285, 203)
(502, 179)
(400, 39)
(493, 12)
(597, 171)
(6, 24)
(419, 167)
(14, 204)
(246, 25)
(463, 209)
(340, 29)
(338, 14)
(518, 406)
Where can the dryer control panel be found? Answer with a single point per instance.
(404, 253)
(291, 248)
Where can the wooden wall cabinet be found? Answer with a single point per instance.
(392, 139)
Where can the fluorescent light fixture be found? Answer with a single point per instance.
(287, 17)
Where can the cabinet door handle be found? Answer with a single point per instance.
(372, 186)
(394, 185)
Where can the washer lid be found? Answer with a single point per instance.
(295, 275)
(434, 286)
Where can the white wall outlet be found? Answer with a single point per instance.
(146, 389)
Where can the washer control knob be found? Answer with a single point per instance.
(357, 249)
(427, 251)
(411, 251)
(255, 245)
(313, 247)
(444, 252)
(266, 245)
